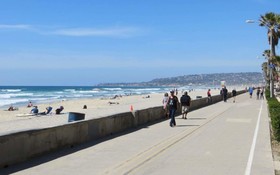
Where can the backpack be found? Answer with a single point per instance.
(185, 99)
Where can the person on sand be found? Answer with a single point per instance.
(29, 104)
(34, 110)
(59, 110)
(185, 102)
(165, 104)
(11, 108)
(111, 103)
(48, 110)
(234, 95)
(172, 103)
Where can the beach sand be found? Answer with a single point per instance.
(97, 107)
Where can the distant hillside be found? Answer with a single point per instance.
(247, 78)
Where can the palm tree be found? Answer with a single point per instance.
(266, 76)
(266, 54)
(272, 22)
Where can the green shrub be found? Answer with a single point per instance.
(267, 93)
(274, 111)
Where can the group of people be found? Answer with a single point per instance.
(171, 103)
(48, 110)
(12, 108)
(260, 92)
(224, 94)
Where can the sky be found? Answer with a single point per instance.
(87, 42)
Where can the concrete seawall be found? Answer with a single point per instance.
(22, 146)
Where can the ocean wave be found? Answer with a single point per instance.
(146, 89)
(10, 90)
(81, 95)
(112, 89)
(89, 91)
(69, 90)
(38, 99)
(6, 96)
(73, 96)
(96, 89)
(39, 95)
(12, 101)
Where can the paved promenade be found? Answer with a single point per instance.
(222, 139)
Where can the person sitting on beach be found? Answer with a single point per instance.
(48, 110)
(34, 110)
(85, 107)
(113, 103)
(11, 108)
(58, 110)
(29, 104)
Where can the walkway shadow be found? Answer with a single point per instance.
(197, 118)
(185, 125)
(67, 150)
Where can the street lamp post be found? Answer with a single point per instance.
(267, 71)
(271, 84)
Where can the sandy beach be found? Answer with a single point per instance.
(97, 107)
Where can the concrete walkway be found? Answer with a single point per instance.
(222, 139)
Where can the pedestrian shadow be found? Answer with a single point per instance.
(197, 118)
(186, 125)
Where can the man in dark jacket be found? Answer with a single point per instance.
(185, 103)
(234, 95)
(225, 91)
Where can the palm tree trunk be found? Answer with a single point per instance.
(272, 55)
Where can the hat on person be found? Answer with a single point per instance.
(171, 91)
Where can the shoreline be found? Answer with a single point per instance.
(99, 107)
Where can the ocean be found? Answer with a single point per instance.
(21, 95)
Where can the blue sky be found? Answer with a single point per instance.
(86, 42)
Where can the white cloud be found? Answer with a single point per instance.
(17, 26)
(77, 32)
(109, 32)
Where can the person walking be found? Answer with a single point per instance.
(225, 91)
(172, 103)
(185, 103)
(234, 95)
(165, 104)
(258, 93)
(251, 90)
(209, 99)
(262, 91)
